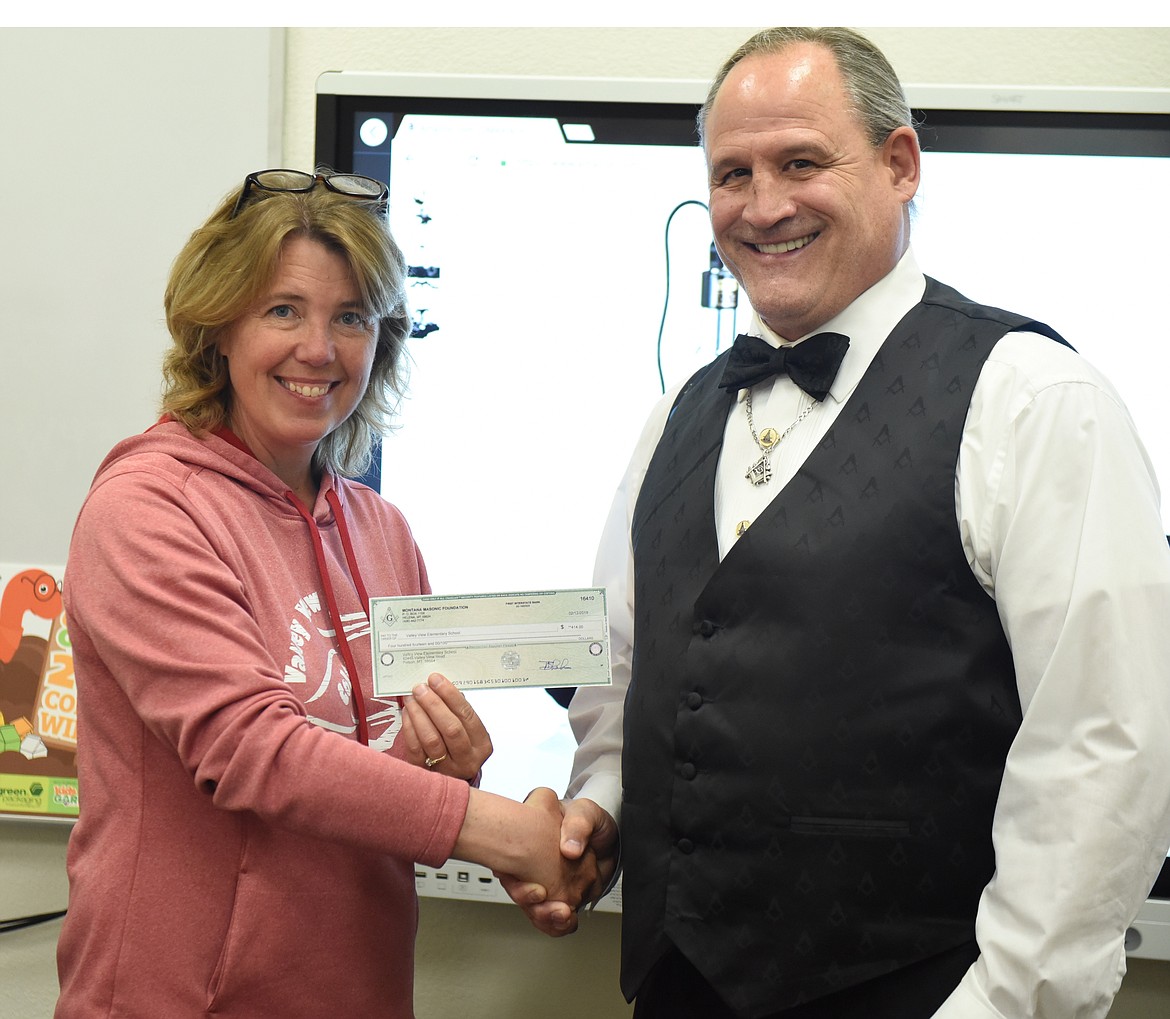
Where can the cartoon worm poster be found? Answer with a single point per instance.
(38, 701)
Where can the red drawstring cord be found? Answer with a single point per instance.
(363, 730)
(350, 558)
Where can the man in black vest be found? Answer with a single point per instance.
(888, 585)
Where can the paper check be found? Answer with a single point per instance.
(483, 641)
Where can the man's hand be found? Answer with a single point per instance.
(585, 829)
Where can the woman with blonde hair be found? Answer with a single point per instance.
(251, 811)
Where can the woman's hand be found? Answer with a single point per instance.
(442, 730)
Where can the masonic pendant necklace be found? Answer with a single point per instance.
(760, 472)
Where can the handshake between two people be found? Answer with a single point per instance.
(588, 850)
(551, 856)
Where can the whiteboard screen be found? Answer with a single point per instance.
(540, 284)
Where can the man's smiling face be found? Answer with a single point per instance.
(806, 212)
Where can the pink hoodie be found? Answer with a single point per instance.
(239, 851)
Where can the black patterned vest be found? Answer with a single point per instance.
(816, 728)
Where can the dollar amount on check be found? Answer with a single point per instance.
(482, 641)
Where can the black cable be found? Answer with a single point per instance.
(666, 299)
(19, 923)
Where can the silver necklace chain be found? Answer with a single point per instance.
(760, 472)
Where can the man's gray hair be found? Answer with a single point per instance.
(875, 94)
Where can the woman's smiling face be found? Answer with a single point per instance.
(298, 359)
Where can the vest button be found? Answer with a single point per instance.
(689, 771)
(705, 628)
(685, 846)
(694, 700)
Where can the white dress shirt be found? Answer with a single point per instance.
(1057, 508)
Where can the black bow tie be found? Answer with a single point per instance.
(811, 364)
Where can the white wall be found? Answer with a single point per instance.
(116, 144)
(127, 138)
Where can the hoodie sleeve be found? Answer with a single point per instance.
(157, 614)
